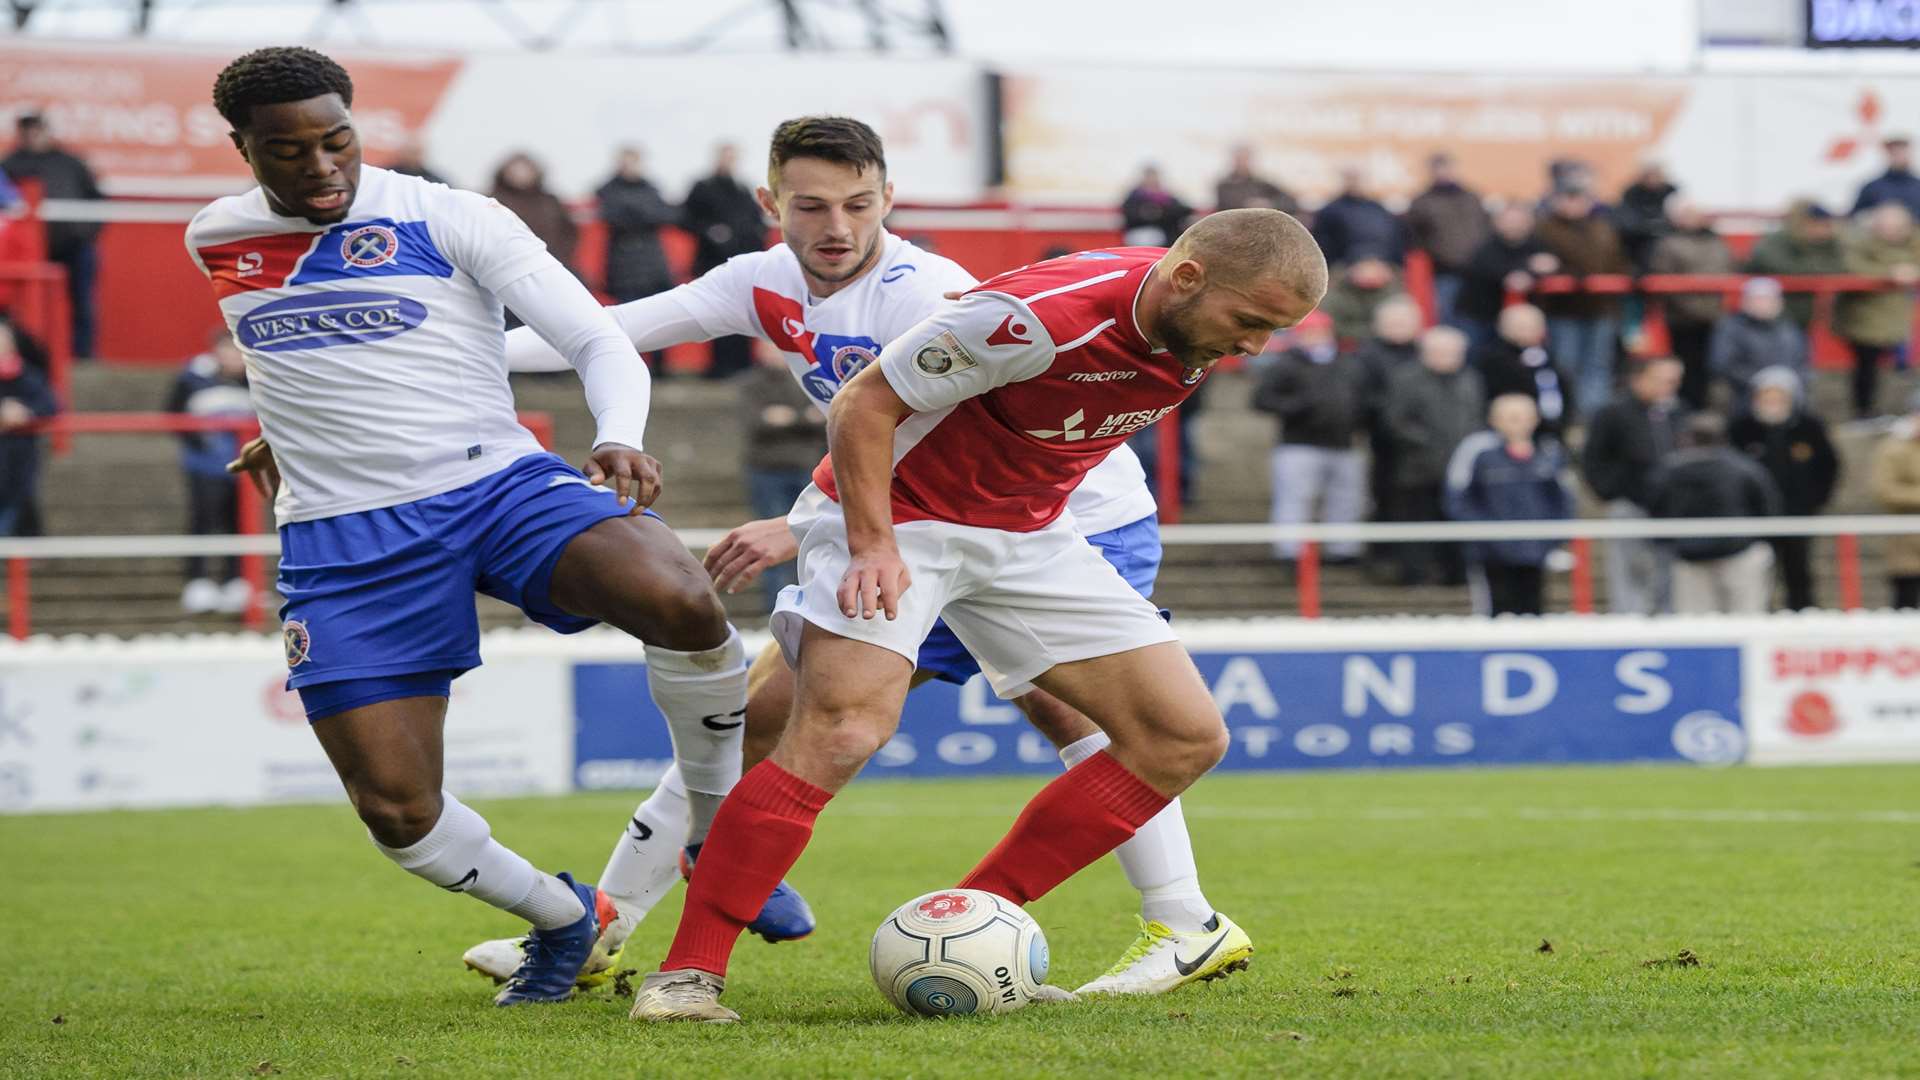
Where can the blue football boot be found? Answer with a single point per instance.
(554, 957)
(784, 917)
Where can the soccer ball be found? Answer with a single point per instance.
(959, 951)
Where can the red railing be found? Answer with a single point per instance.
(249, 519)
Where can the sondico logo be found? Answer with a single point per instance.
(1125, 423)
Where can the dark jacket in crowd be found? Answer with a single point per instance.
(1692, 251)
(1487, 482)
(1427, 415)
(725, 220)
(61, 176)
(1354, 227)
(786, 432)
(1234, 192)
(1449, 223)
(1378, 359)
(1588, 246)
(635, 213)
(1743, 346)
(1641, 218)
(20, 454)
(1625, 440)
(1159, 211)
(1484, 291)
(1785, 252)
(1797, 454)
(1902, 187)
(545, 215)
(201, 390)
(1506, 368)
(1318, 402)
(1710, 482)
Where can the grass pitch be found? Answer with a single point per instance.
(1569, 922)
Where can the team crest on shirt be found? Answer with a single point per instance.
(1189, 376)
(942, 356)
(293, 634)
(850, 360)
(369, 246)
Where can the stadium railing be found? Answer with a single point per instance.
(249, 540)
(1580, 535)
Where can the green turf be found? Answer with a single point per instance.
(1400, 919)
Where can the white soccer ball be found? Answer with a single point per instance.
(959, 951)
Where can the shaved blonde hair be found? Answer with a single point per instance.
(1239, 247)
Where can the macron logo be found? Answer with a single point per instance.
(1101, 376)
(1069, 429)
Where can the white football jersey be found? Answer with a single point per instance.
(374, 346)
(827, 341)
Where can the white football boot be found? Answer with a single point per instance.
(500, 958)
(688, 995)
(1162, 959)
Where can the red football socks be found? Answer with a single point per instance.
(1085, 813)
(757, 836)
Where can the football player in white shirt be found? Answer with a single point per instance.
(838, 289)
(368, 306)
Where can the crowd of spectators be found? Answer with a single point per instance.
(1520, 398)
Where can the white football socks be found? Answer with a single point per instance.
(646, 862)
(704, 698)
(460, 855)
(1158, 859)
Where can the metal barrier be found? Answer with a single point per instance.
(1579, 533)
(249, 542)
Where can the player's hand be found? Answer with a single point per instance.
(741, 554)
(256, 461)
(873, 584)
(630, 473)
(954, 295)
(14, 414)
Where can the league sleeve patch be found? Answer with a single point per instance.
(942, 356)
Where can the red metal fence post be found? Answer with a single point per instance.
(1846, 551)
(1582, 578)
(1166, 467)
(19, 604)
(1308, 580)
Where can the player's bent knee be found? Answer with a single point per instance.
(397, 820)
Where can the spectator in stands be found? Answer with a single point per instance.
(1150, 215)
(1242, 187)
(25, 396)
(1393, 346)
(1626, 438)
(1897, 184)
(1876, 325)
(1505, 475)
(1756, 337)
(786, 436)
(1356, 293)
(1691, 247)
(1706, 478)
(635, 212)
(1449, 223)
(1642, 214)
(520, 185)
(1896, 487)
(1431, 406)
(1807, 242)
(36, 156)
(1508, 261)
(9, 195)
(1516, 361)
(1776, 430)
(1583, 328)
(212, 386)
(411, 160)
(726, 220)
(1353, 225)
(1319, 397)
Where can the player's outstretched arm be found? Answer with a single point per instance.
(860, 429)
(651, 323)
(744, 552)
(618, 387)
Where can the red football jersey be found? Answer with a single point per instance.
(1020, 388)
